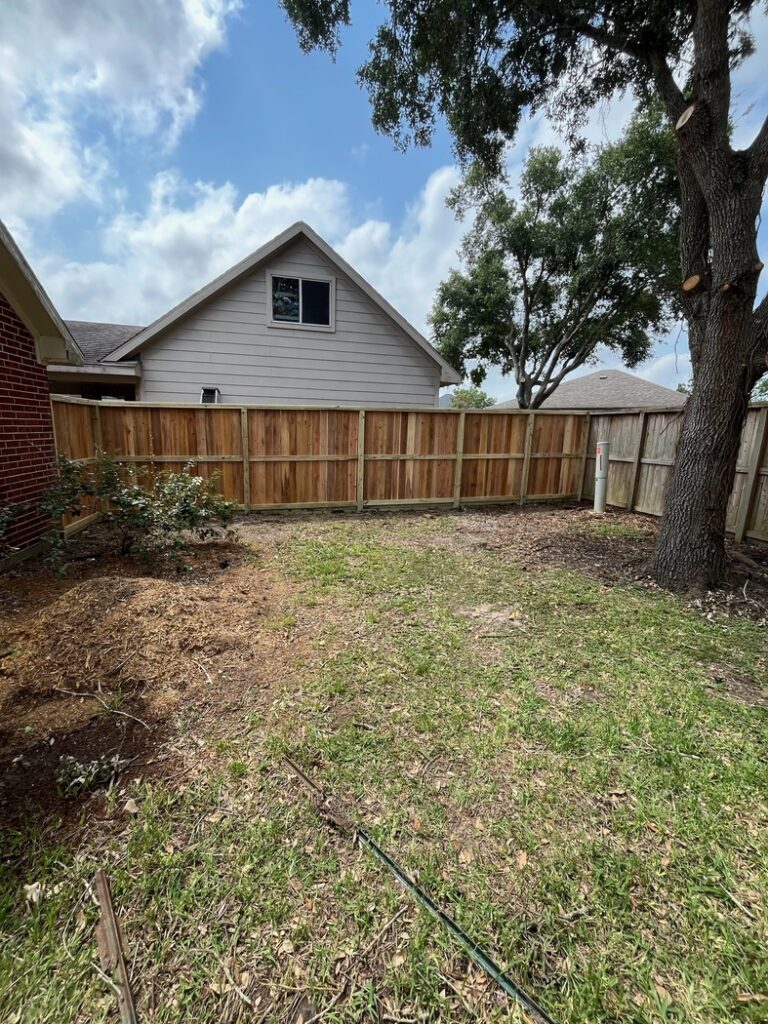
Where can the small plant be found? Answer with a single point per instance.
(7, 513)
(147, 512)
(74, 777)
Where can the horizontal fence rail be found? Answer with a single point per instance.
(267, 457)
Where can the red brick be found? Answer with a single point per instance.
(27, 452)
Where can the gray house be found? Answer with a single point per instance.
(292, 323)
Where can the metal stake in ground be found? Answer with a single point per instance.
(473, 950)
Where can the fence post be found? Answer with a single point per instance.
(753, 474)
(360, 460)
(635, 475)
(245, 444)
(527, 457)
(98, 445)
(584, 453)
(459, 460)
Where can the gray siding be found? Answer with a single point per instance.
(228, 344)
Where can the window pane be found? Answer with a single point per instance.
(285, 299)
(316, 303)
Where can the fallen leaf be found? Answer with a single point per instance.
(33, 893)
(465, 856)
(131, 807)
(397, 960)
(662, 992)
(522, 859)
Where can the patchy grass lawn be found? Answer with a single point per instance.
(575, 769)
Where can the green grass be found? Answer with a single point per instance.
(571, 787)
(615, 530)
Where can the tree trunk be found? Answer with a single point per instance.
(690, 551)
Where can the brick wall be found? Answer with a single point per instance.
(27, 452)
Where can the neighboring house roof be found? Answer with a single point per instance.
(97, 340)
(246, 266)
(53, 340)
(608, 389)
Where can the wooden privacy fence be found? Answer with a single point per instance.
(341, 458)
(316, 457)
(642, 456)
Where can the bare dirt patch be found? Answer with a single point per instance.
(101, 663)
(614, 547)
(737, 686)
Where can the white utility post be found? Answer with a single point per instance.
(602, 451)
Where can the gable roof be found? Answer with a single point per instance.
(246, 266)
(97, 340)
(53, 340)
(609, 389)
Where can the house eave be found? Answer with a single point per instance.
(53, 341)
(125, 371)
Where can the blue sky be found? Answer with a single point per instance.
(162, 140)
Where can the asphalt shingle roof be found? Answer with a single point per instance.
(97, 340)
(609, 389)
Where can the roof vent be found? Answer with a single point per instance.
(210, 396)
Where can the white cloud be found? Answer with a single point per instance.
(71, 72)
(669, 369)
(360, 153)
(187, 235)
(190, 233)
(406, 265)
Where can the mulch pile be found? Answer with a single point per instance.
(104, 666)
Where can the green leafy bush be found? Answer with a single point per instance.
(147, 512)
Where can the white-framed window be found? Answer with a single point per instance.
(304, 302)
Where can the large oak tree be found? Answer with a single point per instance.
(481, 64)
(582, 257)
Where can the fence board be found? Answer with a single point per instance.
(275, 457)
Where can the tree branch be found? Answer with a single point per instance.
(757, 153)
(712, 63)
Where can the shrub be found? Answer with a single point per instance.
(147, 512)
(7, 512)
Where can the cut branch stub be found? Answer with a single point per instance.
(691, 283)
(685, 117)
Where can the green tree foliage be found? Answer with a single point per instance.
(482, 64)
(471, 397)
(586, 256)
(760, 391)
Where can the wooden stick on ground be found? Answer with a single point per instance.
(111, 950)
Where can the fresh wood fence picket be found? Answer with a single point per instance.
(316, 457)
